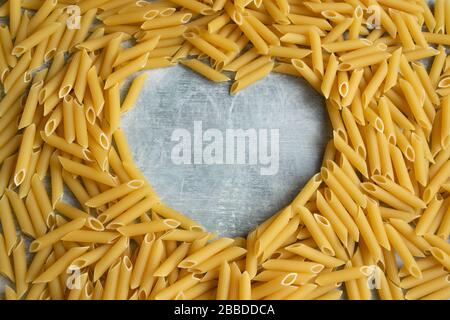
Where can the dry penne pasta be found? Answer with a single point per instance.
(382, 191)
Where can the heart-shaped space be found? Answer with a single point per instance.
(226, 199)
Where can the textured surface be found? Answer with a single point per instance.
(227, 199)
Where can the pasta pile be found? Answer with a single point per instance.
(381, 196)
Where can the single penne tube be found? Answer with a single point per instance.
(123, 72)
(428, 287)
(6, 172)
(114, 252)
(124, 204)
(114, 193)
(273, 285)
(96, 43)
(313, 21)
(147, 227)
(308, 190)
(251, 78)
(353, 85)
(339, 190)
(86, 171)
(268, 36)
(163, 33)
(20, 268)
(110, 289)
(60, 265)
(364, 61)
(35, 38)
(90, 236)
(268, 236)
(441, 256)
(421, 166)
(316, 233)
(436, 182)
(354, 158)
(223, 284)
(315, 255)
(141, 260)
(136, 51)
(229, 254)
(181, 285)
(70, 76)
(316, 51)
(284, 237)
(170, 213)
(205, 70)
(306, 72)
(8, 225)
(388, 213)
(110, 55)
(95, 89)
(434, 272)
(333, 277)
(123, 281)
(80, 84)
(376, 223)
(68, 118)
(61, 144)
(201, 255)
(175, 19)
(25, 151)
(329, 76)
(409, 233)
(21, 67)
(441, 294)
(347, 182)
(353, 132)
(437, 242)
(113, 105)
(86, 21)
(172, 261)
(56, 235)
(218, 23)
(326, 210)
(204, 46)
(374, 83)
(5, 262)
(342, 213)
(369, 236)
(400, 247)
(399, 191)
(45, 206)
(347, 45)
(21, 213)
(182, 235)
(336, 32)
(428, 215)
(402, 29)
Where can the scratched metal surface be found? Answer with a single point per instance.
(227, 199)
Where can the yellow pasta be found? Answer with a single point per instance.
(382, 188)
(205, 70)
(133, 92)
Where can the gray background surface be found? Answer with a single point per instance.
(227, 199)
